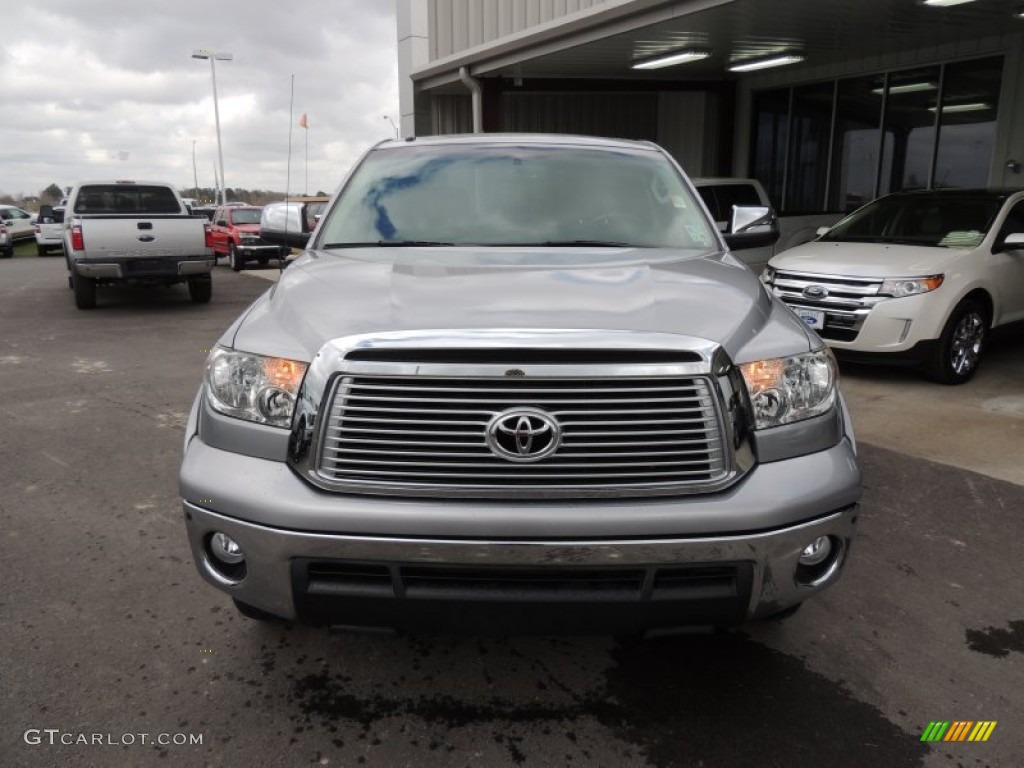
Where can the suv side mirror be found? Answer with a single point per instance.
(752, 226)
(1012, 242)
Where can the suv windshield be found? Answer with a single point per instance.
(507, 195)
(948, 221)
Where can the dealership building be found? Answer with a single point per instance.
(830, 104)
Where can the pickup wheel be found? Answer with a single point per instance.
(85, 291)
(955, 357)
(40, 250)
(200, 289)
(252, 612)
(233, 259)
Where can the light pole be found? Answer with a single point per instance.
(214, 56)
(195, 172)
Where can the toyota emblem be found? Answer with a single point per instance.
(523, 434)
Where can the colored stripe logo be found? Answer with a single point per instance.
(958, 730)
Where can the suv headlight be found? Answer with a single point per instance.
(787, 389)
(910, 286)
(253, 387)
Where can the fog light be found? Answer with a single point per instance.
(226, 549)
(816, 552)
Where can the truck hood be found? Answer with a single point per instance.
(328, 294)
(866, 259)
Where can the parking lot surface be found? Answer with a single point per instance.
(108, 630)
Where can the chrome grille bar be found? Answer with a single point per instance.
(427, 435)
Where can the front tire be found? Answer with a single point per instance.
(85, 291)
(233, 258)
(956, 356)
(200, 289)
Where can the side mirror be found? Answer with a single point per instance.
(821, 231)
(1012, 242)
(222, 222)
(753, 226)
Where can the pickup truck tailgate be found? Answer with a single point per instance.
(124, 236)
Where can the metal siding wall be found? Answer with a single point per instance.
(618, 115)
(456, 25)
(460, 24)
(688, 128)
(476, 23)
(491, 19)
(451, 114)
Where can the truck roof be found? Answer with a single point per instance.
(560, 139)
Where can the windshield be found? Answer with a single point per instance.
(504, 195)
(245, 216)
(948, 221)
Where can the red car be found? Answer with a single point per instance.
(236, 234)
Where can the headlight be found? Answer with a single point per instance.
(911, 286)
(768, 275)
(253, 387)
(788, 389)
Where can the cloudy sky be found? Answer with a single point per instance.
(108, 89)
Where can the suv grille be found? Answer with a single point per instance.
(847, 304)
(621, 435)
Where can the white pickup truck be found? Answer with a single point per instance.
(134, 231)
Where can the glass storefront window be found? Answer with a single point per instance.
(808, 148)
(771, 122)
(911, 146)
(909, 134)
(970, 99)
(855, 148)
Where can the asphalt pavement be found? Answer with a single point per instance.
(111, 641)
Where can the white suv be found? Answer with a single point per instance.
(915, 276)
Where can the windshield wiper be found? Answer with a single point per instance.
(884, 239)
(386, 244)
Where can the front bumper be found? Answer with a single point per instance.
(485, 566)
(261, 251)
(891, 327)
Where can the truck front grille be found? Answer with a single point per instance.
(429, 434)
(846, 303)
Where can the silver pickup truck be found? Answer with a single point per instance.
(519, 384)
(134, 231)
